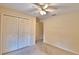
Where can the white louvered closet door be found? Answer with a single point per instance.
(31, 40)
(10, 33)
(23, 33)
(28, 32)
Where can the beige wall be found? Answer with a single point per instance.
(63, 31)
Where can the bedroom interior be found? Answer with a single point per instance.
(39, 28)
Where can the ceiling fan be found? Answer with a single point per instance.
(45, 8)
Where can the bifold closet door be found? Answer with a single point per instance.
(9, 33)
(28, 32)
(31, 40)
(23, 33)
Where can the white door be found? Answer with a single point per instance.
(10, 33)
(26, 32)
(23, 33)
(29, 32)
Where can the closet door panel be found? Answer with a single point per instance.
(28, 31)
(23, 38)
(10, 34)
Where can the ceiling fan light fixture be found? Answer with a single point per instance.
(42, 12)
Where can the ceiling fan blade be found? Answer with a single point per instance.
(52, 7)
(50, 10)
(45, 6)
(36, 6)
(57, 7)
(52, 4)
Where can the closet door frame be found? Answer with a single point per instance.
(0, 35)
(1, 30)
(2, 15)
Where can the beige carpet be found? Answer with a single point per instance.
(32, 50)
(40, 49)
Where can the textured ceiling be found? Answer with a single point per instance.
(28, 8)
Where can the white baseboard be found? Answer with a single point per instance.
(62, 48)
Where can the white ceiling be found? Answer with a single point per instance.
(28, 8)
